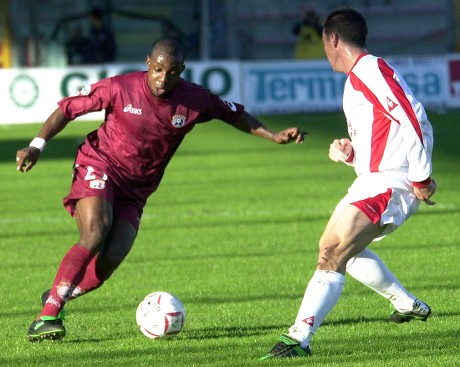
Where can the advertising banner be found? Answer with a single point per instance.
(30, 94)
(427, 77)
(453, 94)
(300, 86)
(291, 87)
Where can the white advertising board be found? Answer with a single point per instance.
(30, 95)
(299, 86)
(426, 76)
(453, 93)
(291, 86)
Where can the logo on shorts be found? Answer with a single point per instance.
(178, 121)
(371, 208)
(97, 184)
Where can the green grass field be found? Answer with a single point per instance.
(233, 231)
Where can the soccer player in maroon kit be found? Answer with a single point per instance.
(121, 164)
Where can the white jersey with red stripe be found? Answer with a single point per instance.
(388, 126)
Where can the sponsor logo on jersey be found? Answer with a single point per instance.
(130, 109)
(178, 121)
(391, 105)
(230, 105)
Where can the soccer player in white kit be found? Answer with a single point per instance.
(390, 147)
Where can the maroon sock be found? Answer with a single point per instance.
(70, 273)
(91, 281)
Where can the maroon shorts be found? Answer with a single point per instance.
(89, 180)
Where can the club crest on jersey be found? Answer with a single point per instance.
(178, 121)
(391, 105)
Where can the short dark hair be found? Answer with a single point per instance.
(172, 46)
(349, 24)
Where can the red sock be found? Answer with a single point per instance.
(91, 281)
(70, 273)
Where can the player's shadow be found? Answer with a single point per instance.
(245, 331)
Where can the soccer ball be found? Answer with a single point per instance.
(160, 315)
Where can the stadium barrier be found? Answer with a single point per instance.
(30, 94)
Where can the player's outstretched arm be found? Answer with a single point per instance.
(251, 125)
(27, 157)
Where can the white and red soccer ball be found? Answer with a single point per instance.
(160, 315)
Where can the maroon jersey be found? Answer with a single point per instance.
(141, 132)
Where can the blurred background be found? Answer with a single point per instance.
(59, 32)
(265, 54)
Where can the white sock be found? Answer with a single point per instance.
(322, 293)
(367, 268)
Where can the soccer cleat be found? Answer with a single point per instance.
(43, 299)
(287, 347)
(420, 312)
(50, 328)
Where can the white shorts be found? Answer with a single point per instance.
(400, 206)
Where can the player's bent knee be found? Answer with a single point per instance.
(331, 258)
(92, 241)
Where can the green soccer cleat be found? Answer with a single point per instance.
(46, 327)
(287, 347)
(420, 312)
(43, 299)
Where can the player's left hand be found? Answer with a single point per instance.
(26, 158)
(425, 193)
(289, 135)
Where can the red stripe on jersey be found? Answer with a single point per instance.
(388, 74)
(375, 206)
(357, 59)
(380, 125)
(380, 131)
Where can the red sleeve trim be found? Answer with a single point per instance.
(423, 183)
(350, 156)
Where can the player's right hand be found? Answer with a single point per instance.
(27, 158)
